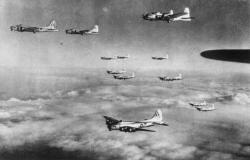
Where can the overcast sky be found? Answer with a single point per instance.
(219, 24)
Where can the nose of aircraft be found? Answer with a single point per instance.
(144, 16)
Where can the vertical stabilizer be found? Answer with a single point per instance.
(157, 116)
(180, 75)
(171, 12)
(52, 24)
(133, 74)
(95, 29)
(187, 11)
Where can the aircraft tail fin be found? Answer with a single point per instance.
(180, 75)
(133, 74)
(95, 29)
(167, 56)
(52, 24)
(171, 12)
(157, 116)
(187, 11)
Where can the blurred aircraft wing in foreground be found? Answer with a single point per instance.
(232, 55)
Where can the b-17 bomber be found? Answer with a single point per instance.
(116, 72)
(133, 126)
(169, 16)
(93, 31)
(159, 58)
(22, 28)
(157, 16)
(198, 104)
(166, 78)
(108, 58)
(123, 57)
(205, 108)
(124, 77)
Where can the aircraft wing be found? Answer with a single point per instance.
(231, 55)
(176, 15)
(30, 28)
(145, 130)
(84, 31)
(110, 120)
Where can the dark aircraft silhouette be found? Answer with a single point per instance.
(166, 78)
(231, 55)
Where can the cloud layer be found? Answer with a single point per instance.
(68, 124)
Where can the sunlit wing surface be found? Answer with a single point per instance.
(232, 55)
(177, 15)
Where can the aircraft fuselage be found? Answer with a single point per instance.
(129, 126)
(81, 32)
(121, 57)
(107, 58)
(205, 109)
(119, 77)
(116, 72)
(20, 28)
(159, 58)
(169, 79)
(198, 104)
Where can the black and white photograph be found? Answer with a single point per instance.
(124, 80)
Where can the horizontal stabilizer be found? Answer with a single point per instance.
(161, 123)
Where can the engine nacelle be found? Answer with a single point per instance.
(123, 129)
(127, 129)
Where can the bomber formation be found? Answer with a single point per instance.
(114, 124)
